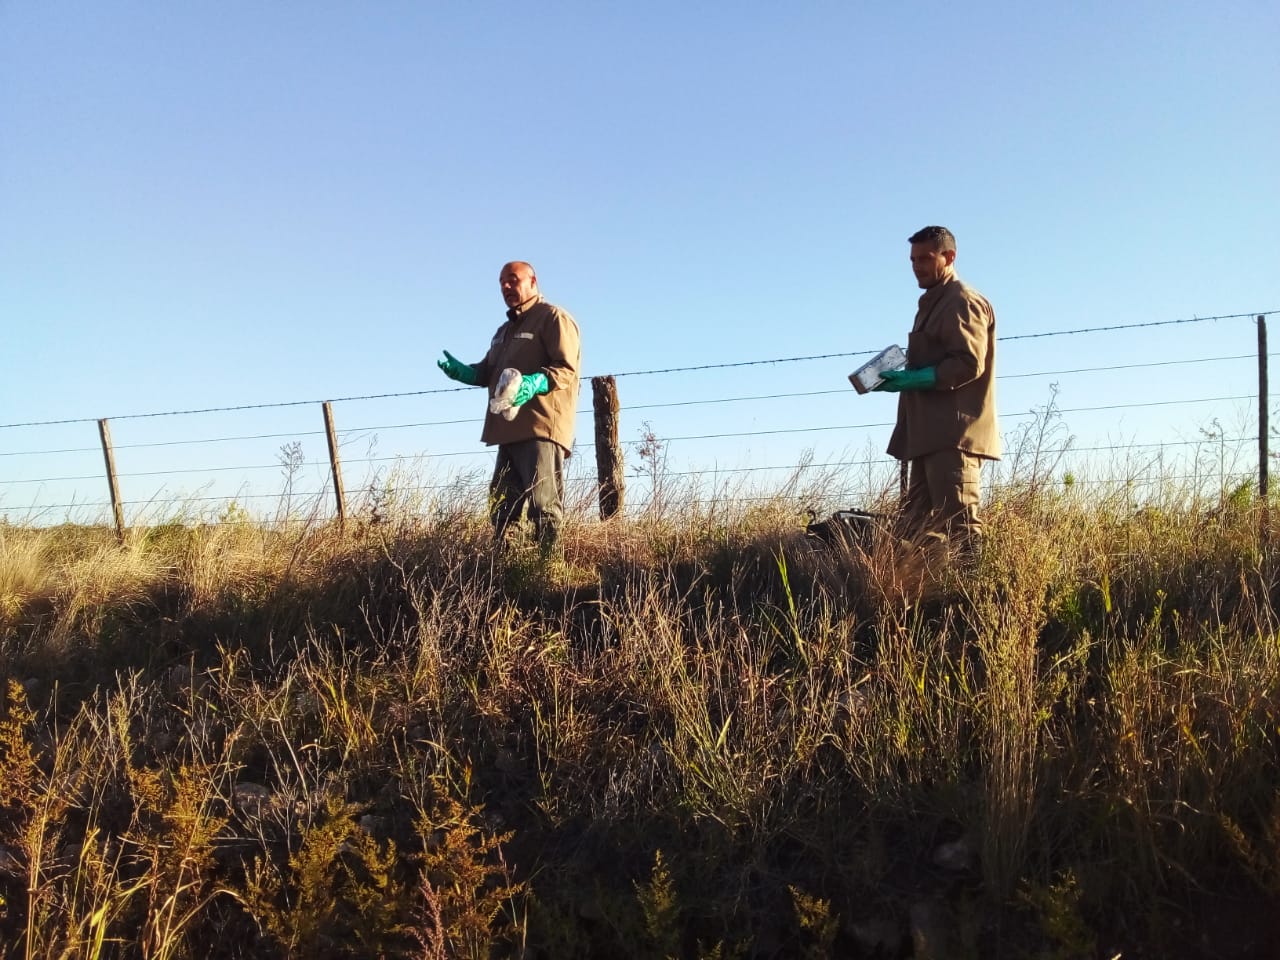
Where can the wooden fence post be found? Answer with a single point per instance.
(104, 431)
(609, 463)
(339, 492)
(1264, 418)
(1264, 431)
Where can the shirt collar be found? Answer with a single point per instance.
(930, 296)
(516, 313)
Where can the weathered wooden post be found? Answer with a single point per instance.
(1264, 419)
(609, 463)
(104, 431)
(339, 492)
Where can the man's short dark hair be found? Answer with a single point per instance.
(941, 238)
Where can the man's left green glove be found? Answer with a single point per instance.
(895, 381)
(455, 369)
(531, 384)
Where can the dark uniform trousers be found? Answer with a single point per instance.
(528, 474)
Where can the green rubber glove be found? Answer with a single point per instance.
(531, 385)
(455, 369)
(895, 381)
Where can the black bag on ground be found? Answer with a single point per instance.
(854, 528)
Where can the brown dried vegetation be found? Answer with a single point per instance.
(701, 736)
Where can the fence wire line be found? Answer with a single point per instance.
(627, 373)
(640, 442)
(1020, 336)
(350, 433)
(1129, 482)
(726, 498)
(709, 472)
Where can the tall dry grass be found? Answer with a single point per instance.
(702, 735)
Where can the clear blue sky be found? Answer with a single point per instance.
(205, 204)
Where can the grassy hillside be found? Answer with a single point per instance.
(702, 736)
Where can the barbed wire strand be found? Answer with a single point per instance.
(625, 373)
(349, 432)
(466, 482)
(587, 446)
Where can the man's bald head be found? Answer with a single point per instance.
(518, 282)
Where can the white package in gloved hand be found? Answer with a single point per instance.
(501, 401)
(867, 377)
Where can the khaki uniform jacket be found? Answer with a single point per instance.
(954, 331)
(538, 336)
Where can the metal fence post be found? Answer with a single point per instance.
(104, 432)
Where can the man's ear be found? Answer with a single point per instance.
(950, 256)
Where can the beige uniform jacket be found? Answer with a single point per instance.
(538, 336)
(954, 331)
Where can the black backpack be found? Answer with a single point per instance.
(853, 528)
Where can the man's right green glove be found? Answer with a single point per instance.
(895, 381)
(455, 369)
(531, 385)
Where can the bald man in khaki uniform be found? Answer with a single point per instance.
(541, 341)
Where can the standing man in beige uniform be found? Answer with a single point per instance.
(540, 341)
(946, 406)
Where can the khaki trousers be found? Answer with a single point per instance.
(942, 497)
(528, 475)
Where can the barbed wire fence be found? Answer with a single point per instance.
(426, 469)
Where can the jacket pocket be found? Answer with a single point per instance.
(524, 354)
